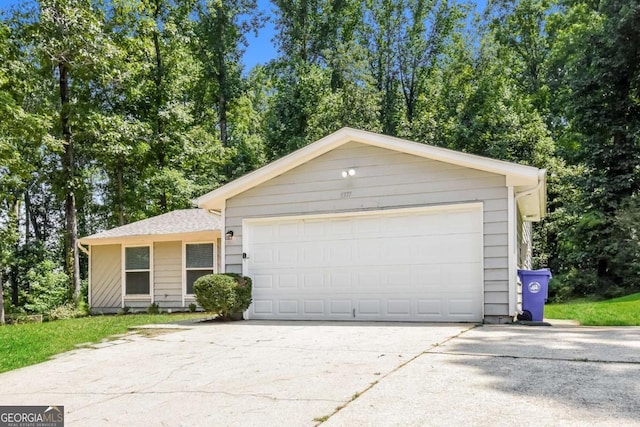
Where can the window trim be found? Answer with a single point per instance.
(124, 272)
(184, 264)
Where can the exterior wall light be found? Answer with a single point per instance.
(229, 235)
(347, 173)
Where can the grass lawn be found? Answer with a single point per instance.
(30, 343)
(624, 311)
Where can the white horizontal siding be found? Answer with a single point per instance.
(384, 179)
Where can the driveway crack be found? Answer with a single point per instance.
(356, 395)
(511, 356)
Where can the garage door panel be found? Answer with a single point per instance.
(462, 307)
(262, 307)
(262, 233)
(368, 280)
(341, 307)
(313, 280)
(288, 307)
(400, 307)
(313, 307)
(429, 307)
(424, 266)
(263, 281)
(338, 253)
(287, 281)
(263, 255)
(369, 307)
(339, 228)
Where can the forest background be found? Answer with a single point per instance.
(117, 110)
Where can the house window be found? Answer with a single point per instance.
(137, 270)
(199, 262)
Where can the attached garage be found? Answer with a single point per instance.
(420, 264)
(361, 226)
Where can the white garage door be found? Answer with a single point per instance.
(409, 265)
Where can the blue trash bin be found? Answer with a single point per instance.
(535, 291)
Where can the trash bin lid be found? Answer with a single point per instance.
(545, 272)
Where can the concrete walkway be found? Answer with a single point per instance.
(344, 374)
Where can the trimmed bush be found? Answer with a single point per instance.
(243, 290)
(225, 294)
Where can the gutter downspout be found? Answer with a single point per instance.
(513, 261)
(82, 248)
(529, 192)
(87, 252)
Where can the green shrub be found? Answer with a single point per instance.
(243, 290)
(48, 288)
(65, 311)
(83, 308)
(225, 294)
(153, 308)
(192, 307)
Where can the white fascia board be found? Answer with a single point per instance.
(149, 238)
(516, 175)
(532, 201)
(215, 198)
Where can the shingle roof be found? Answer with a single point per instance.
(180, 221)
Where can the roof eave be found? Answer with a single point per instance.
(516, 175)
(138, 238)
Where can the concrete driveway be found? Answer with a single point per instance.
(344, 374)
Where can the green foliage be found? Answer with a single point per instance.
(192, 308)
(27, 344)
(243, 290)
(216, 293)
(598, 93)
(153, 308)
(47, 288)
(160, 110)
(623, 311)
(66, 311)
(224, 294)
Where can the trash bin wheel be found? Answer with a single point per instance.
(525, 315)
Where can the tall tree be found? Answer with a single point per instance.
(70, 41)
(598, 63)
(220, 39)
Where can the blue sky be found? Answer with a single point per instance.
(262, 48)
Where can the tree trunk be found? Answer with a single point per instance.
(68, 169)
(223, 120)
(120, 194)
(1, 298)
(27, 213)
(14, 224)
(159, 101)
